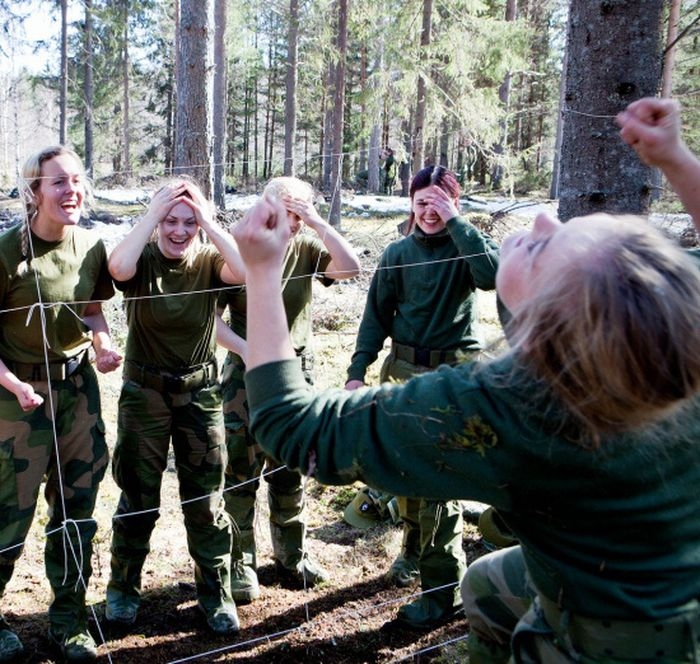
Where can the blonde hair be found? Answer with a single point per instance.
(30, 182)
(192, 250)
(616, 337)
(289, 186)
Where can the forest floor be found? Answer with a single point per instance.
(341, 620)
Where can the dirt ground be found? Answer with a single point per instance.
(339, 621)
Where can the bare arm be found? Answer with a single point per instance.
(262, 237)
(27, 398)
(344, 261)
(106, 358)
(233, 271)
(229, 340)
(652, 127)
(124, 257)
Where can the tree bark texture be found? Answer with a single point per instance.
(614, 57)
(338, 114)
(88, 92)
(220, 106)
(194, 92)
(421, 91)
(290, 100)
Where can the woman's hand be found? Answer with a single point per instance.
(439, 201)
(107, 360)
(354, 384)
(162, 202)
(202, 208)
(651, 127)
(306, 211)
(27, 398)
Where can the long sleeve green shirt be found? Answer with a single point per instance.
(612, 532)
(422, 293)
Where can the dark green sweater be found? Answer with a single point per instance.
(422, 293)
(613, 533)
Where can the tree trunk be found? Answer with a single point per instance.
(327, 134)
(419, 124)
(88, 93)
(220, 106)
(405, 167)
(63, 94)
(614, 57)
(290, 101)
(338, 112)
(556, 161)
(194, 92)
(126, 143)
(670, 53)
(504, 98)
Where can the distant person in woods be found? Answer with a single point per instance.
(170, 280)
(423, 296)
(53, 276)
(325, 256)
(389, 170)
(584, 434)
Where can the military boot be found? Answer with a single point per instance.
(67, 611)
(124, 590)
(245, 587)
(442, 565)
(240, 507)
(10, 645)
(404, 570)
(68, 624)
(214, 599)
(288, 532)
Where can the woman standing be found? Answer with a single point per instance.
(423, 297)
(53, 276)
(328, 257)
(171, 392)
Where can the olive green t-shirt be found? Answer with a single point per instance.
(306, 257)
(171, 308)
(72, 272)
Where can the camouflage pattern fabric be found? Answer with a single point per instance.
(246, 463)
(509, 623)
(148, 420)
(27, 455)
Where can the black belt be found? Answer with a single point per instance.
(424, 357)
(56, 371)
(189, 379)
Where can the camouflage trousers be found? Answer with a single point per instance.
(433, 529)
(509, 622)
(246, 464)
(148, 420)
(27, 456)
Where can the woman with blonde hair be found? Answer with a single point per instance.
(584, 435)
(325, 256)
(53, 278)
(171, 280)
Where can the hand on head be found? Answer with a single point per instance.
(652, 127)
(304, 209)
(442, 204)
(164, 199)
(263, 233)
